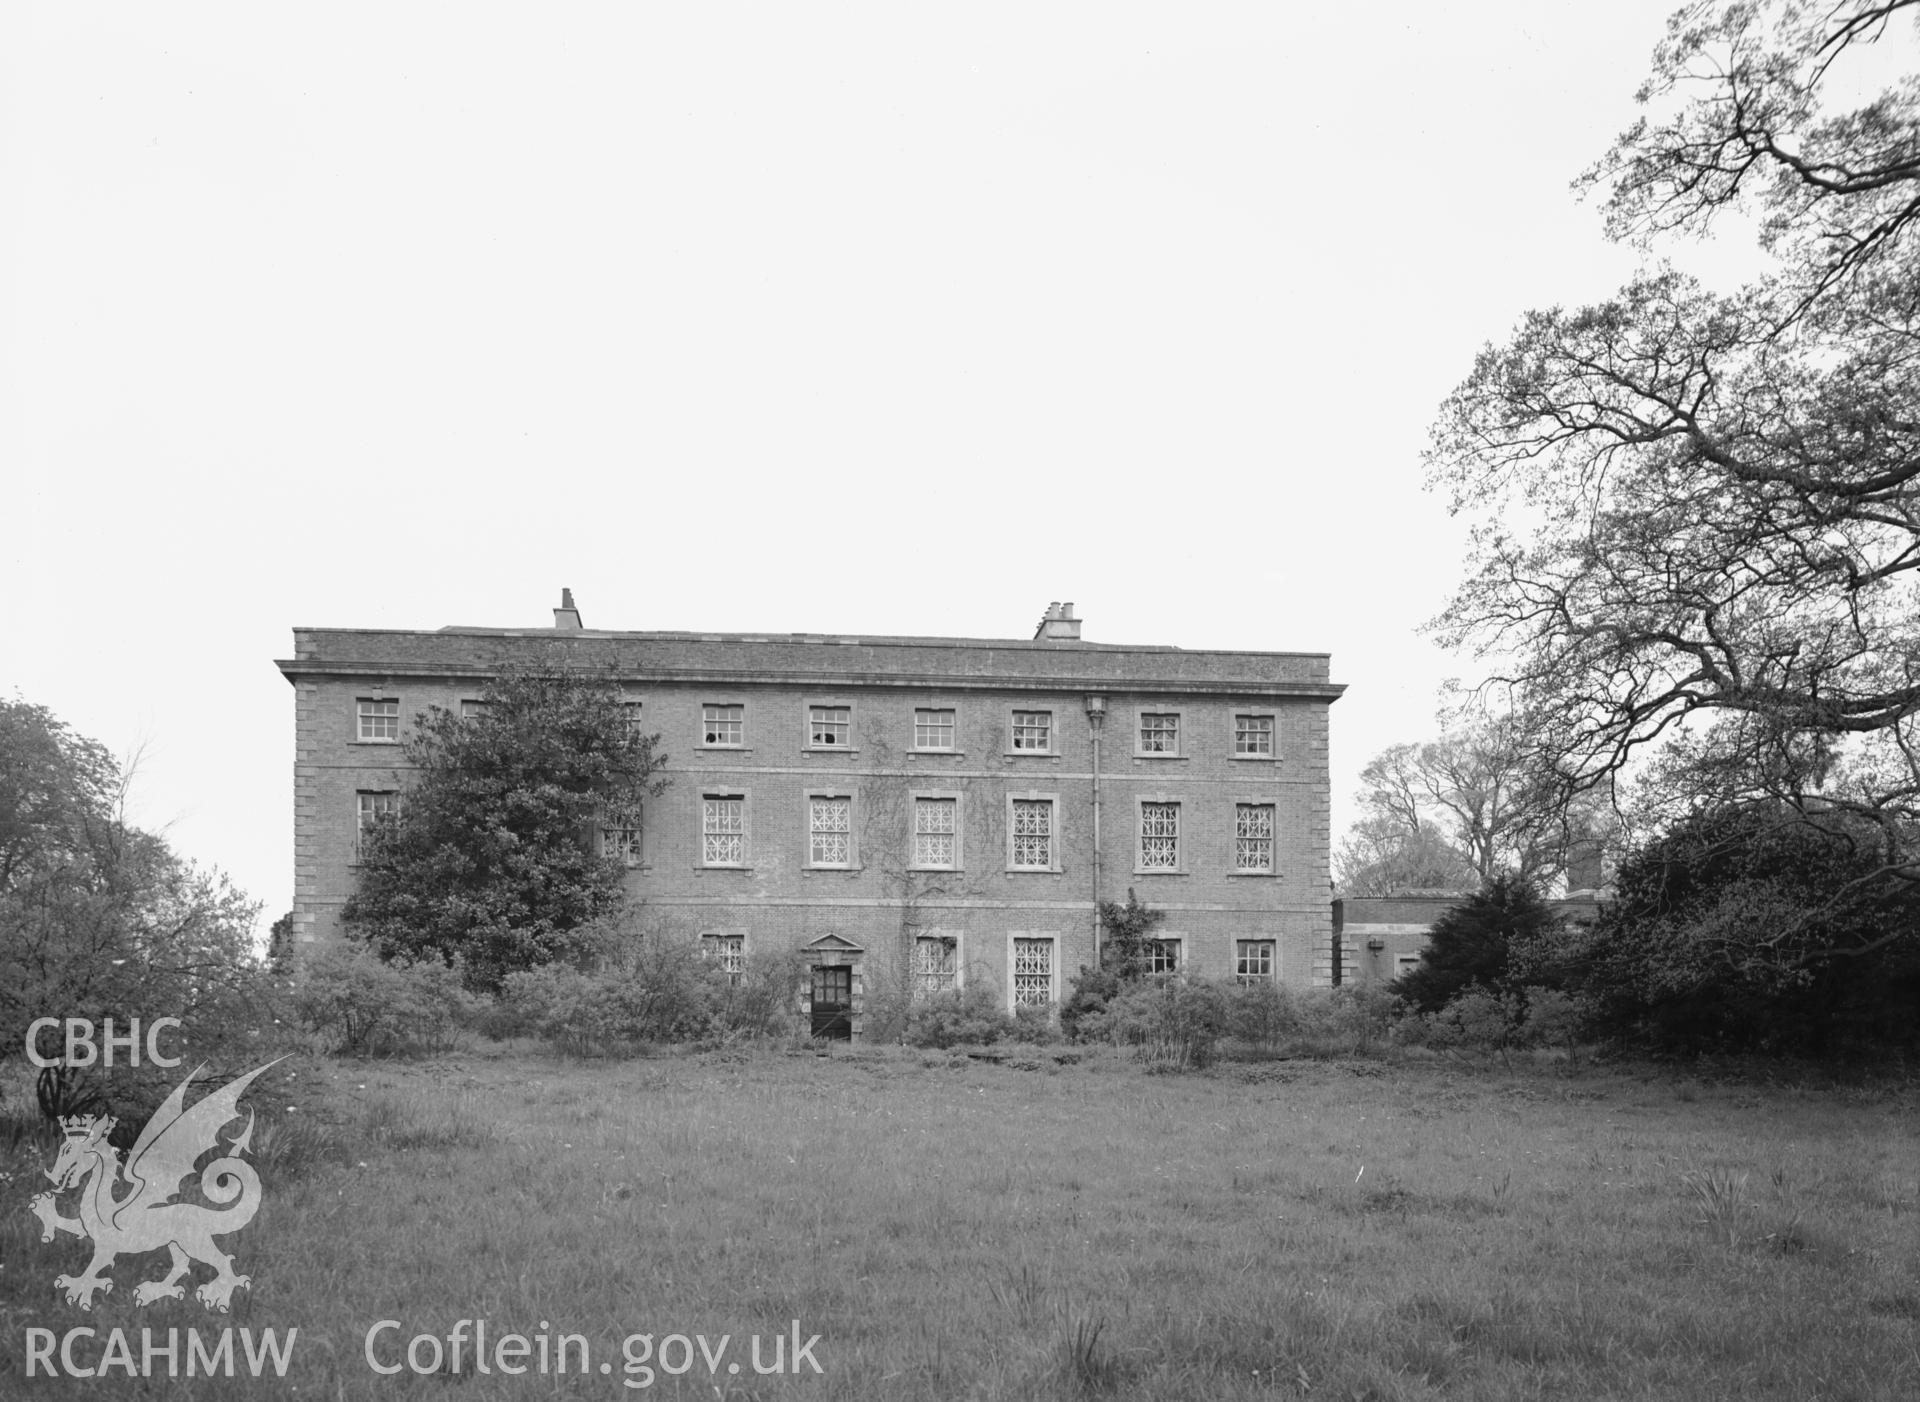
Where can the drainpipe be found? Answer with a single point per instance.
(1096, 714)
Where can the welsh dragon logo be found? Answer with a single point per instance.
(147, 1218)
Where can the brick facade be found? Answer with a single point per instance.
(1185, 777)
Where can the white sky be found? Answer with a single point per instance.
(869, 319)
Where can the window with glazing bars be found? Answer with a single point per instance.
(933, 963)
(1032, 973)
(935, 828)
(722, 725)
(380, 720)
(932, 730)
(1033, 730)
(630, 715)
(830, 725)
(728, 951)
(1160, 836)
(830, 829)
(1159, 733)
(623, 843)
(469, 710)
(723, 831)
(1253, 837)
(374, 808)
(1033, 832)
(1253, 735)
(1162, 956)
(1253, 961)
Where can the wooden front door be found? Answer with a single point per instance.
(833, 1002)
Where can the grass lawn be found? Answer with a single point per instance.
(956, 1229)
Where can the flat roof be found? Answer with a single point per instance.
(812, 659)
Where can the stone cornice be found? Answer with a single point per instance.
(739, 679)
(810, 662)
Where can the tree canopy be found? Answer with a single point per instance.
(507, 844)
(97, 918)
(1126, 936)
(1748, 928)
(1469, 945)
(1697, 513)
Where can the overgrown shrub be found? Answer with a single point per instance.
(1261, 1014)
(1171, 1023)
(1477, 1019)
(971, 1016)
(1750, 928)
(655, 989)
(1556, 1018)
(362, 1003)
(1498, 1021)
(595, 1013)
(1092, 991)
(1035, 1026)
(1127, 933)
(763, 1001)
(1178, 1023)
(1353, 1018)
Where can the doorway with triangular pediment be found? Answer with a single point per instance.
(834, 997)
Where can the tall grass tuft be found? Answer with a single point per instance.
(1720, 1194)
(1085, 1367)
(1025, 1294)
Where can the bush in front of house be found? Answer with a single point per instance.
(650, 990)
(970, 1016)
(361, 1003)
(1171, 1023)
(1264, 1015)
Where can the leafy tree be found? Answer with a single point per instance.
(1751, 928)
(1468, 946)
(1127, 932)
(495, 857)
(99, 919)
(1698, 512)
(280, 944)
(59, 797)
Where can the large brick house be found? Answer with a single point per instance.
(921, 809)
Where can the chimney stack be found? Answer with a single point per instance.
(566, 616)
(1059, 625)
